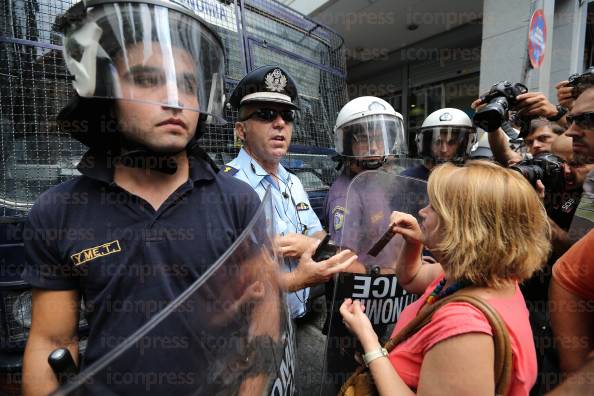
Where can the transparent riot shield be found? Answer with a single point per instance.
(371, 197)
(228, 334)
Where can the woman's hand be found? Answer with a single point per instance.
(358, 323)
(407, 226)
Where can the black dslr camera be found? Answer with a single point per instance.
(545, 167)
(575, 80)
(500, 100)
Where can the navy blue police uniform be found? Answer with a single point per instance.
(127, 259)
(420, 172)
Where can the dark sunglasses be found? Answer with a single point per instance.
(270, 115)
(582, 120)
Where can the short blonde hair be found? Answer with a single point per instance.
(495, 228)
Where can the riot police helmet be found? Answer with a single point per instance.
(154, 51)
(368, 128)
(446, 135)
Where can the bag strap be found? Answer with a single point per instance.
(503, 352)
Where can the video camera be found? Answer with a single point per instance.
(500, 100)
(547, 168)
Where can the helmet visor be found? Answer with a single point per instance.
(147, 53)
(449, 144)
(372, 136)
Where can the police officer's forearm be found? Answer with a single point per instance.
(38, 377)
(54, 325)
(299, 279)
(290, 281)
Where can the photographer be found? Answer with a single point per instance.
(539, 133)
(547, 173)
(539, 114)
(575, 173)
(573, 274)
(567, 90)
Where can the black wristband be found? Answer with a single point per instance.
(561, 111)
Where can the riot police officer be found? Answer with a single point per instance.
(367, 132)
(155, 214)
(446, 135)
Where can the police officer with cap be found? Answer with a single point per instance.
(446, 135)
(147, 77)
(266, 102)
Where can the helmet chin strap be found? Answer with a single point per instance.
(371, 164)
(135, 155)
(360, 163)
(432, 162)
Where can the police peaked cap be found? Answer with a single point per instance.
(265, 84)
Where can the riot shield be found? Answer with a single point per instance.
(371, 197)
(228, 334)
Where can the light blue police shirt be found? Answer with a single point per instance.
(292, 211)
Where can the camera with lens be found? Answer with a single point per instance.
(546, 167)
(499, 101)
(576, 79)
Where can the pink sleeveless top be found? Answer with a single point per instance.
(460, 318)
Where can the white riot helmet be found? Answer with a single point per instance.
(447, 135)
(369, 127)
(153, 51)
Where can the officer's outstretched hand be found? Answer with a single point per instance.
(294, 245)
(407, 226)
(309, 272)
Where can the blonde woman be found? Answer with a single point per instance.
(489, 231)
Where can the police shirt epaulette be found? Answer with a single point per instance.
(230, 170)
